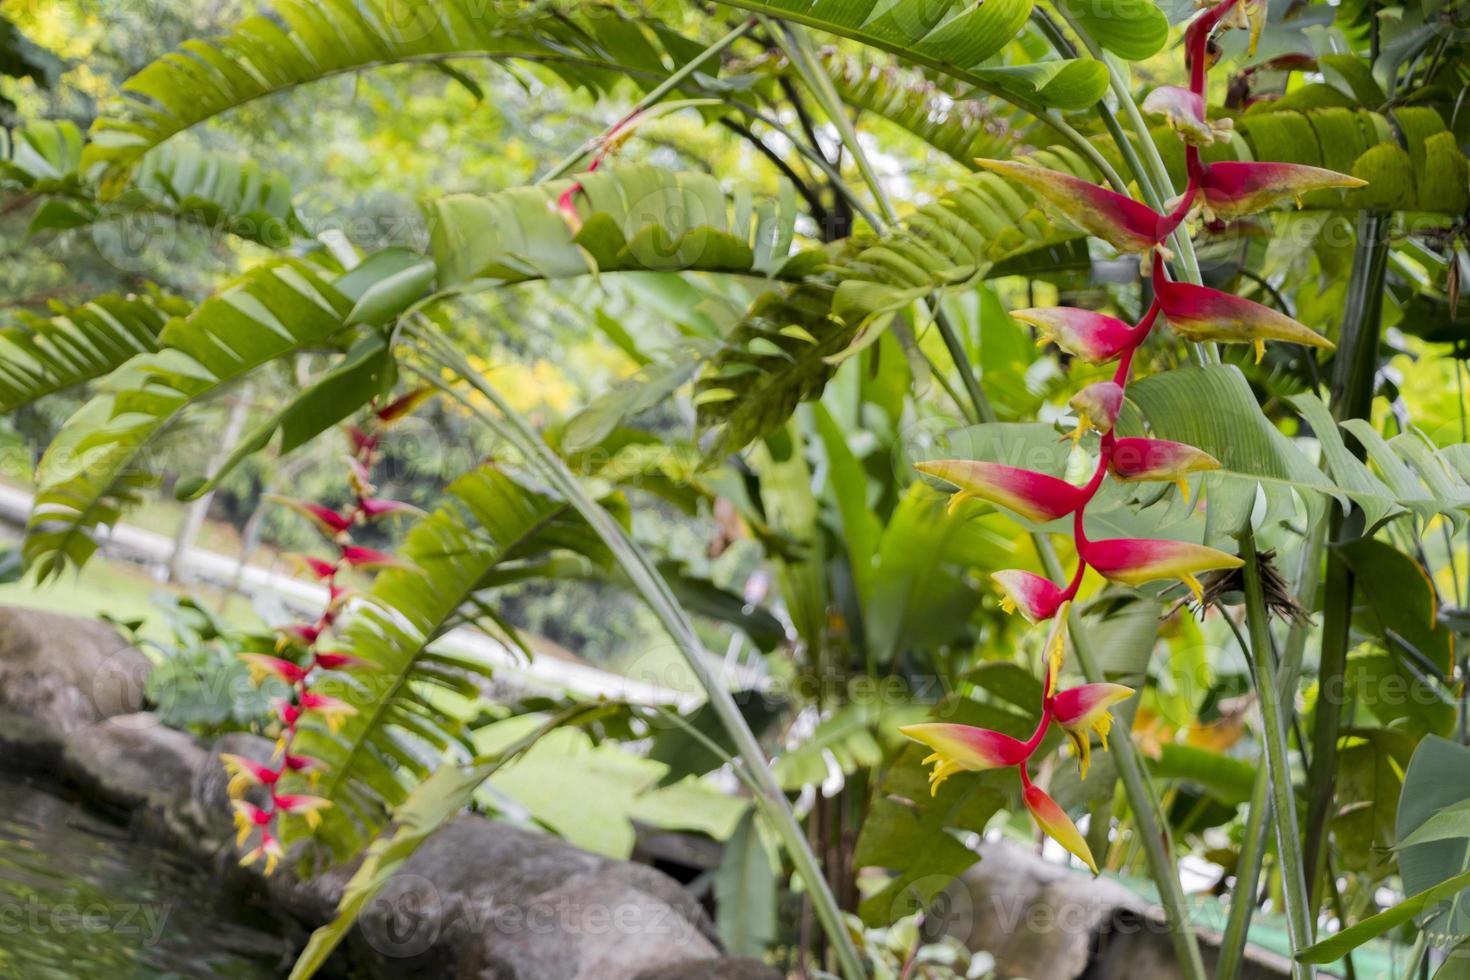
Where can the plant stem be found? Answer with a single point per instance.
(1258, 820)
(1299, 914)
(650, 584)
(658, 92)
(1352, 395)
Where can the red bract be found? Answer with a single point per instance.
(1036, 496)
(1199, 313)
(1116, 218)
(400, 408)
(1234, 189)
(1034, 597)
(359, 557)
(375, 507)
(318, 568)
(330, 521)
(1094, 337)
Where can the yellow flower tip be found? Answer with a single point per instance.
(271, 860)
(1260, 346)
(1083, 424)
(955, 501)
(1194, 587)
(1007, 604)
(1183, 486)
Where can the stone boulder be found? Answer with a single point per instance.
(480, 900)
(59, 674)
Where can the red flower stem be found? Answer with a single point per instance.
(1197, 42)
(362, 454)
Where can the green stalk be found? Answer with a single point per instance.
(1258, 819)
(651, 585)
(1352, 396)
(1299, 915)
(657, 93)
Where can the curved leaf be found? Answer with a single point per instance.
(397, 733)
(100, 460)
(310, 40)
(47, 354)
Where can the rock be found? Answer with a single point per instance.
(480, 899)
(519, 905)
(720, 969)
(132, 761)
(1040, 919)
(59, 674)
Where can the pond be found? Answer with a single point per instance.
(81, 899)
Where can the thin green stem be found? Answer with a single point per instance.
(1258, 819)
(1299, 916)
(656, 592)
(657, 93)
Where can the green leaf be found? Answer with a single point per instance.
(309, 40)
(1131, 29)
(338, 393)
(103, 457)
(487, 518)
(746, 892)
(1450, 823)
(44, 355)
(1071, 84)
(633, 217)
(1437, 777)
(1339, 945)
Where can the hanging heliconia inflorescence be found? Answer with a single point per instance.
(1216, 192)
(304, 650)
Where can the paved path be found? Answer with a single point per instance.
(149, 548)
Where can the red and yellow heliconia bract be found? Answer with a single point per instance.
(1136, 561)
(1233, 189)
(1094, 337)
(1033, 596)
(1085, 709)
(965, 748)
(1117, 219)
(1097, 407)
(1033, 495)
(1199, 313)
(1052, 819)
(1137, 459)
(1184, 112)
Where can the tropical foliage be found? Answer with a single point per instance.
(830, 262)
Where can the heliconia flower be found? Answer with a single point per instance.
(1094, 337)
(269, 848)
(1083, 710)
(566, 206)
(402, 406)
(362, 442)
(359, 478)
(1117, 219)
(1097, 407)
(1035, 597)
(964, 748)
(359, 557)
(330, 521)
(248, 816)
(1056, 648)
(1200, 313)
(1133, 460)
(1184, 112)
(263, 665)
(303, 633)
(1233, 188)
(1035, 496)
(289, 715)
(245, 773)
(375, 507)
(301, 763)
(1052, 819)
(303, 806)
(318, 568)
(332, 710)
(1134, 561)
(333, 660)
